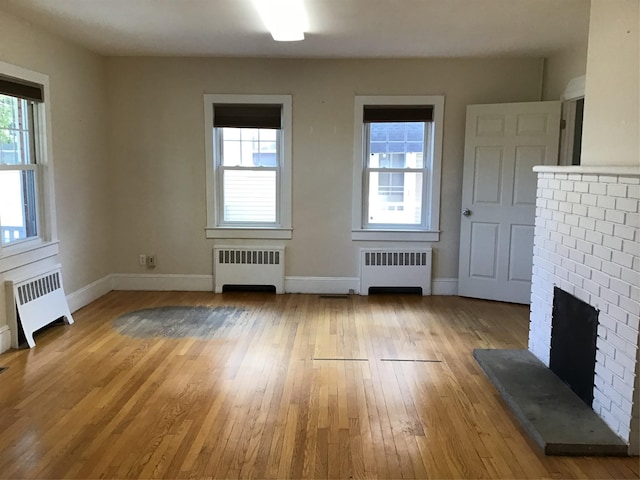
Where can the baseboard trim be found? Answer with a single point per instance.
(166, 282)
(321, 285)
(87, 294)
(444, 286)
(439, 286)
(204, 283)
(5, 338)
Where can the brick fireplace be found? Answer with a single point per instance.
(587, 243)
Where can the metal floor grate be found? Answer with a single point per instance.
(2, 369)
(408, 360)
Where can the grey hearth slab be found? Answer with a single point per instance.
(555, 417)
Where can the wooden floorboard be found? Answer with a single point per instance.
(298, 386)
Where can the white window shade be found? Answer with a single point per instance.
(249, 196)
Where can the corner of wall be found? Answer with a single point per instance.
(87, 294)
(560, 68)
(5, 338)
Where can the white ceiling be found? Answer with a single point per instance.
(338, 28)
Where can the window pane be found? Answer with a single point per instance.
(17, 205)
(268, 134)
(395, 198)
(400, 140)
(396, 132)
(15, 148)
(232, 133)
(249, 147)
(249, 196)
(415, 132)
(265, 159)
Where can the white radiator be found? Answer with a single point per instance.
(248, 266)
(39, 300)
(395, 268)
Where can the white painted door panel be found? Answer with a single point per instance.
(502, 145)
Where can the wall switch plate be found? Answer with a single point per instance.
(151, 261)
(142, 259)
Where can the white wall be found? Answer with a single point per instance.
(158, 164)
(78, 117)
(611, 128)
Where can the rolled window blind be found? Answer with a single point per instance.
(397, 113)
(247, 116)
(21, 89)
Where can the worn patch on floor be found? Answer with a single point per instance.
(180, 322)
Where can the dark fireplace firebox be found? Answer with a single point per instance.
(574, 330)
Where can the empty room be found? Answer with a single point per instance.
(319, 239)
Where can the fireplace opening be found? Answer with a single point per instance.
(574, 330)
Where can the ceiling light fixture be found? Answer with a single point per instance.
(285, 19)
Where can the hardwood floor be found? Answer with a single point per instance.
(299, 387)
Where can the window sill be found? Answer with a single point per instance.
(396, 235)
(17, 256)
(255, 233)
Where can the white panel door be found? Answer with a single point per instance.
(503, 143)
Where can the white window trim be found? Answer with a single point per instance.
(45, 245)
(432, 233)
(214, 228)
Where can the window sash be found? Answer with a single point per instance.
(28, 153)
(367, 207)
(28, 210)
(366, 184)
(396, 170)
(29, 185)
(220, 176)
(247, 145)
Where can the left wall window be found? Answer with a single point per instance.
(18, 164)
(27, 218)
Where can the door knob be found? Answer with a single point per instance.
(466, 212)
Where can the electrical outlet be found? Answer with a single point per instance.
(142, 259)
(151, 261)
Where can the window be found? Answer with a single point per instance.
(395, 171)
(397, 158)
(18, 201)
(248, 166)
(26, 206)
